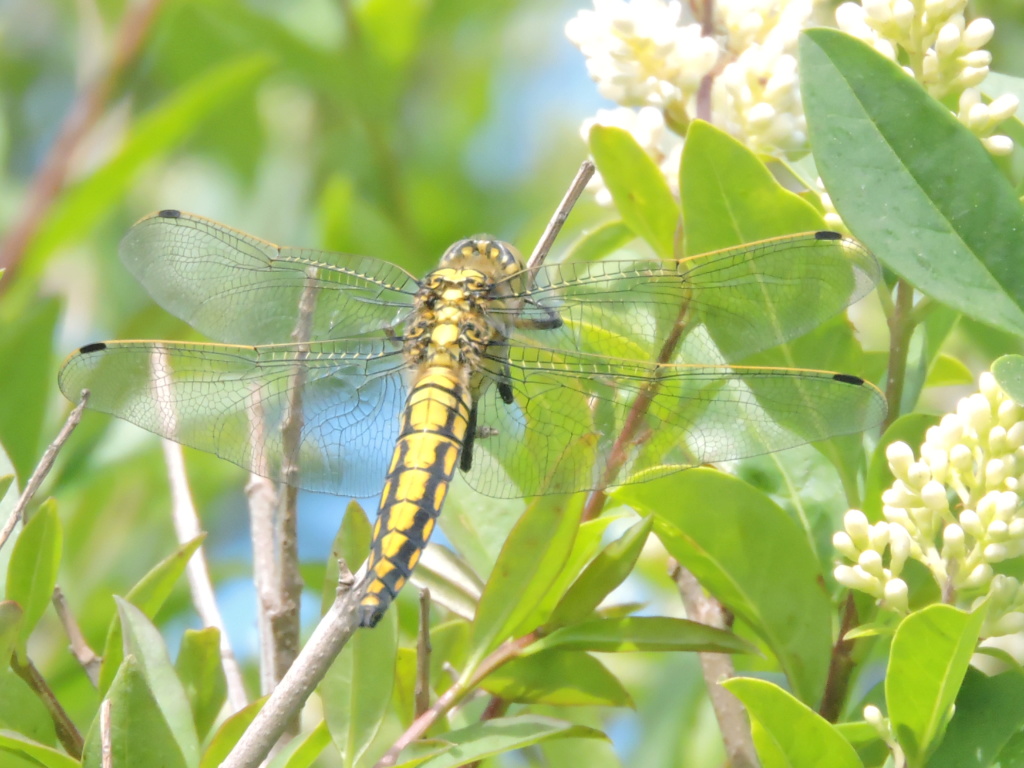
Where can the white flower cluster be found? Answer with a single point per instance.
(654, 53)
(956, 510)
(943, 52)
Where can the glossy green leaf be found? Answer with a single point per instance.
(601, 241)
(547, 531)
(503, 734)
(40, 754)
(638, 188)
(32, 570)
(356, 691)
(351, 544)
(791, 731)
(1009, 373)
(603, 574)
(145, 645)
(558, 678)
(27, 373)
(228, 734)
(88, 203)
(930, 654)
(643, 633)
(730, 197)
(730, 535)
(948, 371)
(946, 221)
(989, 711)
(22, 710)
(148, 595)
(303, 750)
(138, 726)
(201, 671)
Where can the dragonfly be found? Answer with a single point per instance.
(346, 374)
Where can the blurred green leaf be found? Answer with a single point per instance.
(557, 678)
(356, 691)
(603, 574)
(1009, 373)
(148, 595)
(546, 531)
(11, 616)
(947, 221)
(494, 737)
(798, 736)
(138, 726)
(26, 342)
(601, 241)
(228, 733)
(729, 196)
(351, 544)
(40, 754)
(927, 663)
(948, 371)
(201, 671)
(643, 633)
(32, 570)
(989, 711)
(146, 652)
(303, 750)
(88, 203)
(638, 188)
(22, 709)
(729, 535)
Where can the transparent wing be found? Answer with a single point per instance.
(236, 288)
(237, 402)
(748, 298)
(581, 422)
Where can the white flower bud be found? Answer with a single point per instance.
(871, 562)
(933, 495)
(1016, 529)
(877, 10)
(873, 716)
(995, 472)
(1010, 624)
(850, 16)
(995, 553)
(975, 60)
(856, 578)
(900, 496)
(989, 387)
(978, 33)
(976, 411)
(951, 427)
(918, 475)
(953, 546)
(898, 516)
(960, 458)
(843, 544)
(896, 594)
(979, 577)
(856, 524)
(1008, 412)
(903, 13)
(948, 40)
(968, 99)
(972, 75)
(977, 118)
(997, 442)
(998, 145)
(900, 546)
(971, 523)
(900, 456)
(998, 531)
(1007, 503)
(1002, 108)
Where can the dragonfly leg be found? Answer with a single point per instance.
(466, 459)
(551, 320)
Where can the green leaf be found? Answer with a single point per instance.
(729, 535)
(303, 750)
(800, 737)
(494, 737)
(989, 711)
(930, 653)
(729, 196)
(22, 709)
(200, 668)
(32, 570)
(557, 678)
(948, 371)
(26, 370)
(452, 583)
(138, 727)
(351, 544)
(149, 596)
(1009, 373)
(603, 574)
(597, 243)
(228, 734)
(546, 531)
(638, 188)
(145, 647)
(946, 221)
(91, 201)
(909, 429)
(356, 691)
(48, 757)
(11, 617)
(642, 633)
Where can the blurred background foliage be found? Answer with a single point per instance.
(384, 127)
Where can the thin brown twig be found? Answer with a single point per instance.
(81, 118)
(732, 718)
(558, 219)
(43, 468)
(67, 733)
(901, 327)
(840, 665)
(89, 660)
(421, 691)
(106, 742)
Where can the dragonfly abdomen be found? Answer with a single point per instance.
(432, 433)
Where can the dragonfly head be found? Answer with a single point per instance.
(493, 258)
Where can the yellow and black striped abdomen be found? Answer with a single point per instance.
(427, 452)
